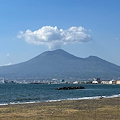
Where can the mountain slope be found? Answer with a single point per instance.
(61, 64)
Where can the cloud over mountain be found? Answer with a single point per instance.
(54, 37)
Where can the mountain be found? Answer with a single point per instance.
(60, 64)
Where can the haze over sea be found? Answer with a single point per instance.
(30, 93)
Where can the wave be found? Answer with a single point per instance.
(83, 98)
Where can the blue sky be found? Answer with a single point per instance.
(101, 19)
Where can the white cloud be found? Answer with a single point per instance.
(54, 37)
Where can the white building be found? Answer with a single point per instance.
(112, 82)
(96, 81)
(75, 82)
(3, 81)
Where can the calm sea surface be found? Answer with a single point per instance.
(22, 93)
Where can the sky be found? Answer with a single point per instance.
(81, 27)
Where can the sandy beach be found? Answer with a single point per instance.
(95, 109)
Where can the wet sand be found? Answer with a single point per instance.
(95, 109)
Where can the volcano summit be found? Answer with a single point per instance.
(60, 64)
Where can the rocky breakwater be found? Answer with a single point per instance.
(71, 88)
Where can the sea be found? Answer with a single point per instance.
(33, 93)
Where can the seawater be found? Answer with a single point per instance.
(30, 93)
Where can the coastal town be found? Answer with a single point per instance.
(61, 81)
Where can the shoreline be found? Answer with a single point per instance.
(68, 99)
(89, 109)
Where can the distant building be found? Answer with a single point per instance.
(75, 82)
(105, 82)
(96, 81)
(118, 82)
(54, 81)
(2, 81)
(112, 82)
(62, 81)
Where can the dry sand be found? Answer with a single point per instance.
(96, 109)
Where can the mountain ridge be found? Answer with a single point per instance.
(61, 64)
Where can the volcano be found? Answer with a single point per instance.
(61, 64)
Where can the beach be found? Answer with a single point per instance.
(91, 109)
